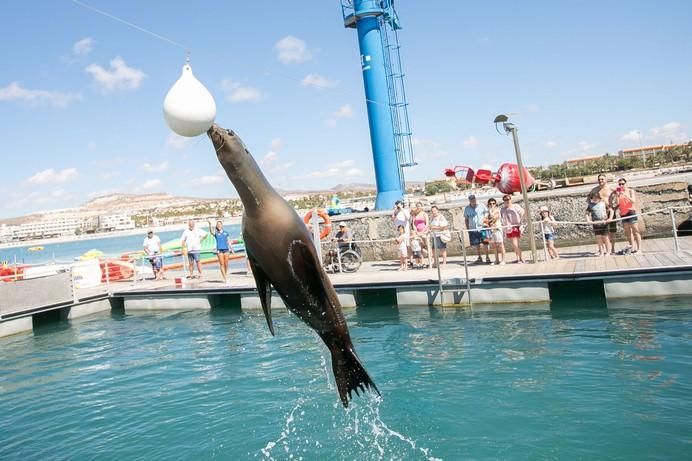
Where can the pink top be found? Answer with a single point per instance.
(419, 222)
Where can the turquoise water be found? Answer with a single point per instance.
(514, 382)
(111, 246)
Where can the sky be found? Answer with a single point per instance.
(81, 94)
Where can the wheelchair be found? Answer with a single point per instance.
(345, 257)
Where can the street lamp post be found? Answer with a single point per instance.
(512, 128)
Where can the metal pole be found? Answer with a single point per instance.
(437, 265)
(466, 266)
(524, 193)
(108, 289)
(74, 288)
(675, 230)
(316, 233)
(15, 268)
(545, 244)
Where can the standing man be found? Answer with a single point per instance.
(192, 241)
(152, 248)
(474, 215)
(604, 191)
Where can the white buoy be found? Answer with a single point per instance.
(189, 108)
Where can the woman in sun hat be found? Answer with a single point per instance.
(549, 224)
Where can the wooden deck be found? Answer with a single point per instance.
(575, 261)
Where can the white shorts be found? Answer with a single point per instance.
(497, 236)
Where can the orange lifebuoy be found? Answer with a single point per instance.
(327, 229)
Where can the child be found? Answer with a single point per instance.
(548, 223)
(402, 241)
(416, 249)
(598, 214)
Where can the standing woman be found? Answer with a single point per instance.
(223, 248)
(494, 222)
(440, 228)
(421, 224)
(626, 200)
(511, 220)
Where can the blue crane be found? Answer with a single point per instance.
(390, 133)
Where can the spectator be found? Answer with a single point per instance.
(548, 225)
(494, 223)
(626, 199)
(416, 250)
(605, 192)
(403, 242)
(421, 223)
(223, 248)
(598, 213)
(474, 216)
(343, 237)
(440, 230)
(191, 241)
(401, 216)
(512, 216)
(152, 248)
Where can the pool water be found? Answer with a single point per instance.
(509, 382)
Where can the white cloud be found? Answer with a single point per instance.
(633, 135)
(318, 81)
(339, 169)
(211, 179)
(237, 92)
(149, 184)
(51, 197)
(155, 167)
(119, 77)
(15, 92)
(51, 176)
(345, 111)
(176, 141)
(276, 143)
(271, 156)
(83, 47)
(669, 132)
(585, 145)
(550, 144)
(532, 107)
(292, 50)
(471, 142)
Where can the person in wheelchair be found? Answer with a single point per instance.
(344, 238)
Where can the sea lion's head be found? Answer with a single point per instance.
(217, 136)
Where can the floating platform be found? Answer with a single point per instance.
(578, 279)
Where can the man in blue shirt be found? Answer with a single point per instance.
(474, 217)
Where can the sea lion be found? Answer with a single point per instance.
(282, 255)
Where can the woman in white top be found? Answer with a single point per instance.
(439, 226)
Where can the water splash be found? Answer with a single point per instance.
(356, 433)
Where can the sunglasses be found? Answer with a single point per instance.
(621, 184)
(505, 200)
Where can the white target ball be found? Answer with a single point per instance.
(189, 108)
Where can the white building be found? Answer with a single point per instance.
(47, 228)
(115, 222)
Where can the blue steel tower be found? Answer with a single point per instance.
(390, 133)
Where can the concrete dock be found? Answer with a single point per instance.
(578, 277)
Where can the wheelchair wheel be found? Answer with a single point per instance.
(350, 261)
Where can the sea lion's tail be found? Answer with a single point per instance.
(349, 373)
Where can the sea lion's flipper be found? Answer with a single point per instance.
(349, 373)
(264, 290)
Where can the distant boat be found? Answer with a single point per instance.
(32, 249)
